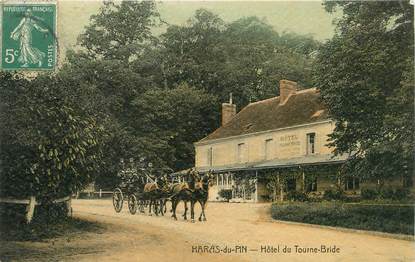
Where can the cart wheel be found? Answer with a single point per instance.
(132, 204)
(117, 200)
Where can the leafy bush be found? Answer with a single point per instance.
(331, 194)
(297, 196)
(385, 218)
(386, 193)
(369, 194)
(401, 193)
(50, 141)
(12, 213)
(225, 193)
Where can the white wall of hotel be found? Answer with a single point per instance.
(268, 149)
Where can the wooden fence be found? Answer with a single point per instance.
(32, 203)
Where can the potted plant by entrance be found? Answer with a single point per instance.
(225, 194)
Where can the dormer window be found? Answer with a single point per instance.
(311, 143)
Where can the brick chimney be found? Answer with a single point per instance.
(287, 88)
(228, 111)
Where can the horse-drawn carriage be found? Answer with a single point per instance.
(144, 190)
(129, 187)
(141, 189)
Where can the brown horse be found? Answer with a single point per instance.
(201, 195)
(185, 192)
(180, 192)
(149, 194)
(155, 192)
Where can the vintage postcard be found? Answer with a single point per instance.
(207, 130)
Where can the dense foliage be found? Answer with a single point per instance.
(297, 196)
(120, 30)
(366, 77)
(385, 218)
(398, 194)
(171, 119)
(50, 142)
(246, 57)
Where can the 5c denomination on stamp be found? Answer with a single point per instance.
(28, 36)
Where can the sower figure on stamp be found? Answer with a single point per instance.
(23, 32)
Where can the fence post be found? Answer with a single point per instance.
(100, 193)
(30, 209)
(69, 207)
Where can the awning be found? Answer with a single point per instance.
(316, 159)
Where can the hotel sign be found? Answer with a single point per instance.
(289, 145)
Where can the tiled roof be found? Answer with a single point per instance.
(303, 107)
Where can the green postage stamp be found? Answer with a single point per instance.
(28, 37)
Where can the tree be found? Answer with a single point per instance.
(171, 120)
(193, 53)
(245, 57)
(50, 141)
(259, 58)
(365, 75)
(115, 38)
(120, 30)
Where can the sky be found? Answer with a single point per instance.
(302, 17)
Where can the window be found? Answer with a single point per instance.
(210, 156)
(268, 149)
(291, 185)
(224, 180)
(241, 153)
(351, 183)
(311, 140)
(312, 185)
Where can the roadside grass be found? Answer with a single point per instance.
(38, 230)
(398, 219)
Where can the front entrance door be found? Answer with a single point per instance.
(244, 190)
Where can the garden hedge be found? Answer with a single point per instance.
(375, 217)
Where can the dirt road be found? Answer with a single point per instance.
(236, 226)
(233, 232)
